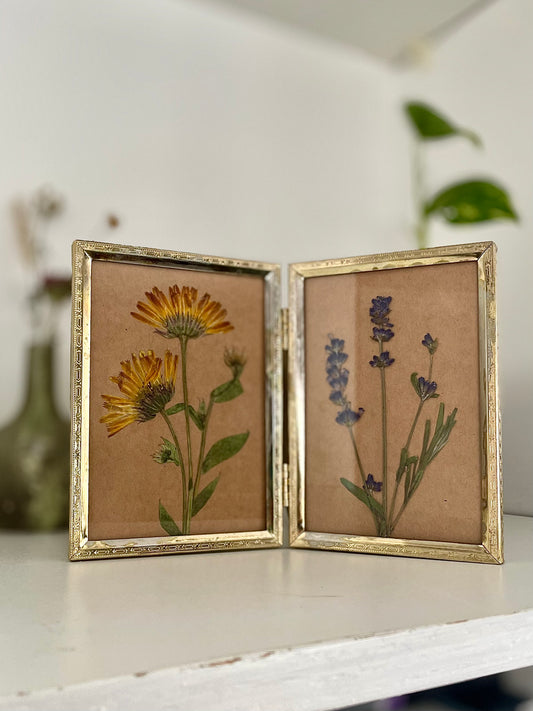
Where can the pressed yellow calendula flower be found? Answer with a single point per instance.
(147, 390)
(180, 314)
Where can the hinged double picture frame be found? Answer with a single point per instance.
(201, 409)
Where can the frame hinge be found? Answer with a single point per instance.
(285, 485)
(285, 329)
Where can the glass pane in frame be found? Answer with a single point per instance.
(395, 429)
(176, 402)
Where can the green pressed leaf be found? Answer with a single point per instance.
(431, 125)
(416, 481)
(175, 408)
(401, 467)
(227, 391)
(224, 449)
(472, 201)
(407, 483)
(440, 417)
(180, 407)
(427, 432)
(441, 435)
(363, 496)
(167, 522)
(195, 418)
(203, 497)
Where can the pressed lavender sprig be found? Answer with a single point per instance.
(382, 333)
(411, 467)
(337, 377)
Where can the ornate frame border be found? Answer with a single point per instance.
(491, 548)
(80, 547)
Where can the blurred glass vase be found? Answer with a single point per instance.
(34, 447)
(34, 453)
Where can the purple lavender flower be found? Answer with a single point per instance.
(372, 485)
(337, 376)
(337, 379)
(382, 334)
(425, 389)
(336, 358)
(380, 310)
(348, 417)
(382, 361)
(430, 343)
(336, 345)
(337, 397)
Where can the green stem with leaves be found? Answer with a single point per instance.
(392, 523)
(363, 479)
(190, 485)
(357, 457)
(202, 448)
(181, 465)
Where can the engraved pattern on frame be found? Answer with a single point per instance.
(80, 547)
(490, 550)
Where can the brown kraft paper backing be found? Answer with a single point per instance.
(441, 300)
(125, 483)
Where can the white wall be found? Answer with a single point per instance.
(204, 130)
(219, 133)
(482, 77)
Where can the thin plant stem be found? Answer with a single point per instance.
(181, 466)
(362, 472)
(415, 421)
(384, 431)
(202, 449)
(422, 222)
(358, 458)
(183, 344)
(393, 504)
(411, 432)
(400, 512)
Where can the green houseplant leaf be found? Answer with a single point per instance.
(431, 125)
(167, 522)
(472, 201)
(203, 497)
(224, 449)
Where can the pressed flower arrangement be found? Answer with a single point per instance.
(386, 510)
(367, 457)
(148, 384)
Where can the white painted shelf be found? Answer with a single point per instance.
(276, 630)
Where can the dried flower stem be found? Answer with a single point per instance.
(182, 467)
(187, 521)
(384, 431)
(202, 447)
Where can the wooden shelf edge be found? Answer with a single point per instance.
(312, 677)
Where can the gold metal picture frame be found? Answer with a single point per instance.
(176, 403)
(394, 422)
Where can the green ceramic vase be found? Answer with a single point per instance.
(34, 453)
